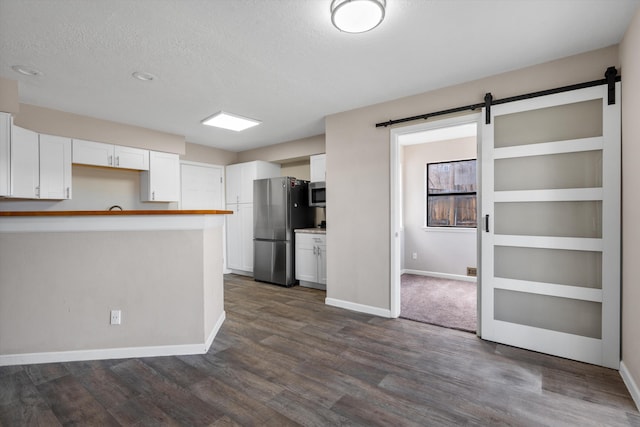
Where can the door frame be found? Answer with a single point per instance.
(396, 136)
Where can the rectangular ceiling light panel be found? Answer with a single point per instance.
(230, 121)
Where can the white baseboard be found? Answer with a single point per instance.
(241, 272)
(440, 275)
(214, 332)
(632, 386)
(112, 353)
(376, 311)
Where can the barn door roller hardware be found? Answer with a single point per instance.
(611, 77)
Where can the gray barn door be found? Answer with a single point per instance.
(550, 189)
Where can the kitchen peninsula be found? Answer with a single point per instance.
(63, 272)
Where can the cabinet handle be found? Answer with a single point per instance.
(153, 195)
(67, 192)
(486, 223)
(117, 160)
(110, 161)
(314, 250)
(38, 191)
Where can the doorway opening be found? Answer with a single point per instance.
(434, 214)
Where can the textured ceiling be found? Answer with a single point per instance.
(279, 61)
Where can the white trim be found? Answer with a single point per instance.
(441, 275)
(547, 148)
(214, 331)
(24, 224)
(112, 353)
(473, 230)
(376, 311)
(631, 384)
(556, 195)
(551, 289)
(563, 344)
(240, 272)
(569, 243)
(395, 140)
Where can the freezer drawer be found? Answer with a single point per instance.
(273, 262)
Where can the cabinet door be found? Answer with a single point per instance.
(55, 167)
(161, 183)
(318, 165)
(200, 186)
(248, 173)
(25, 168)
(321, 254)
(92, 153)
(245, 213)
(234, 238)
(131, 158)
(233, 174)
(305, 258)
(5, 154)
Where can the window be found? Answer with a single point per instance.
(451, 194)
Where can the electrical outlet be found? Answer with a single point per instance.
(414, 255)
(116, 317)
(472, 271)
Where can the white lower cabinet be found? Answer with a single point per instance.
(311, 260)
(240, 238)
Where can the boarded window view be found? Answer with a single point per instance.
(451, 194)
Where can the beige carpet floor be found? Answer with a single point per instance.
(442, 302)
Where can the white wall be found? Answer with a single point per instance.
(439, 250)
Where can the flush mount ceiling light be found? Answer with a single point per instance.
(357, 16)
(145, 77)
(26, 70)
(230, 121)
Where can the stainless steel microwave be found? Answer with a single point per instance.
(317, 194)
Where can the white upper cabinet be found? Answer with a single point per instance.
(161, 183)
(318, 164)
(5, 154)
(40, 165)
(240, 177)
(25, 163)
(55, 167)
(109, 155)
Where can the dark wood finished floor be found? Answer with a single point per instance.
(284, 358)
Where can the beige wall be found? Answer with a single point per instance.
(58, 289)
(55, 122)
(438, 250)
(630, 58)
(300, 169)
(211, 155)
(291, 150)
(9, 95)
(358, 256)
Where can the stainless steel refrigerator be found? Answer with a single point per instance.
(280, 205)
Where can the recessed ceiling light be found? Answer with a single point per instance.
(25, 70)
(230, 121)
(145, 77)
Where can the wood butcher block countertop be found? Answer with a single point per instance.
(116, 213)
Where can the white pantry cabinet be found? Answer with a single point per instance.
(240, 177)
(40, 165)
(161, 183)
(311, 260)
(240, 237)
(109, 155)
(318, 167)
(239, 195)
